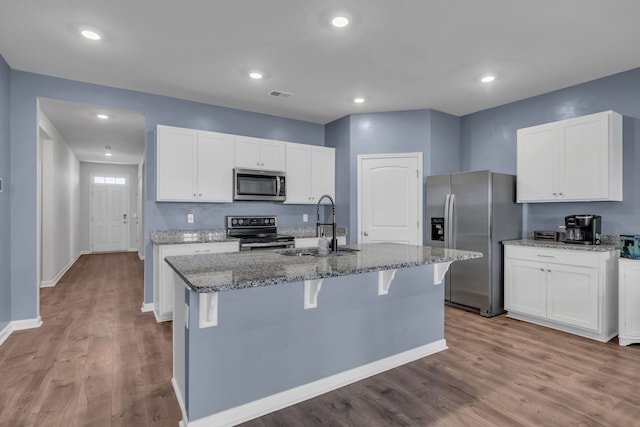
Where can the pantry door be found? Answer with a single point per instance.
(109, 218)
(390, 198)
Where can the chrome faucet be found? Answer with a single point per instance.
(334, 241)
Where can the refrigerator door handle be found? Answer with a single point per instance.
(452, 199)
(446, 220)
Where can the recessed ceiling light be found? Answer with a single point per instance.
(256, 75)
(487, 79)
(102, 116)
(90, 34)
(340, 21)
(358, 100)
(107, 151)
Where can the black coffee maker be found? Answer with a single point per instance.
(583, 229)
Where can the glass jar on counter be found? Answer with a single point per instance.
(562, 233)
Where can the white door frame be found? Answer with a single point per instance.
(419, 157)
(128, 198)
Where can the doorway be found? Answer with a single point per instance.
(390, 198)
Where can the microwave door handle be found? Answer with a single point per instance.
(278, 184)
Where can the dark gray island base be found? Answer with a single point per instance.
(256, 332)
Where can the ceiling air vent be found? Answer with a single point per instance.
(281, 94)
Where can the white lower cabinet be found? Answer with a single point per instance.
(312, 242)
(164, 278)
(629, 288)
(570, 290)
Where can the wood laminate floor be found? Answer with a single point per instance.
(98, 361)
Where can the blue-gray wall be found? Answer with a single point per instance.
(27, 87)
(5, 225)
(489, 142)
(337, 136)
(435, 134)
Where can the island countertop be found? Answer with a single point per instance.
(237, 270)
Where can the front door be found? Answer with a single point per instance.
(390, 198)
(110, 218)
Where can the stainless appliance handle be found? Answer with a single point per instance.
(282, 244)
(446, 220)
(452, 199)
(278, 184)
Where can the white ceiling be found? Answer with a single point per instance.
(401, 54)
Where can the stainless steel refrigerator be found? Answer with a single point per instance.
(474, 211)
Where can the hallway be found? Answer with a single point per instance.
(97, 360)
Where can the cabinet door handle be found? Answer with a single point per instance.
(548, 271)
(546, 256)
(542, 269)
(203, 251)
(555, 194)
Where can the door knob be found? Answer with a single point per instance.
(366, 233)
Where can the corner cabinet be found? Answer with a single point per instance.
(261, 154)
(193, 166)
(164, 277)
(310, 173)
(571, 290)
(578, 159)
(629, 291)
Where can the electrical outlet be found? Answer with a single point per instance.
(305, 217)
(190, 218)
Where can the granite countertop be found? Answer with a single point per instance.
(176, 237)
(560, 245)
(237, 270)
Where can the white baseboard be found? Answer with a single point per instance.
(133, 250)
(85, 252)
(18, 325)
(146, 307)
(176, 390)
(5, 332)
(260, 407)
(140, 256)
(52, 283)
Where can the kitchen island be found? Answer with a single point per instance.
(259, 331)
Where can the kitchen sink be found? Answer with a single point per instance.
(314, 252)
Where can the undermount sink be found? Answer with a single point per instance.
(314, 252)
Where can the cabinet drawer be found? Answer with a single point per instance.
(553, 256)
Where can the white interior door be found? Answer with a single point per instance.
(390, 198)
(110, 218)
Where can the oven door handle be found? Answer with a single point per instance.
(266, 245)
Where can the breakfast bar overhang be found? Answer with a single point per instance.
(257, 332)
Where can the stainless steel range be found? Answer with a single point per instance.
(257, 232)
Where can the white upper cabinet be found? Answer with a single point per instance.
(176, 150)
(194, 166)
(257, 153)
(215, 167)
(578, 159)
(310, 173)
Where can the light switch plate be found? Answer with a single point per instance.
(305, 217)
(190, 218)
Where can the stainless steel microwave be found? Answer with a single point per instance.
(250, 184)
